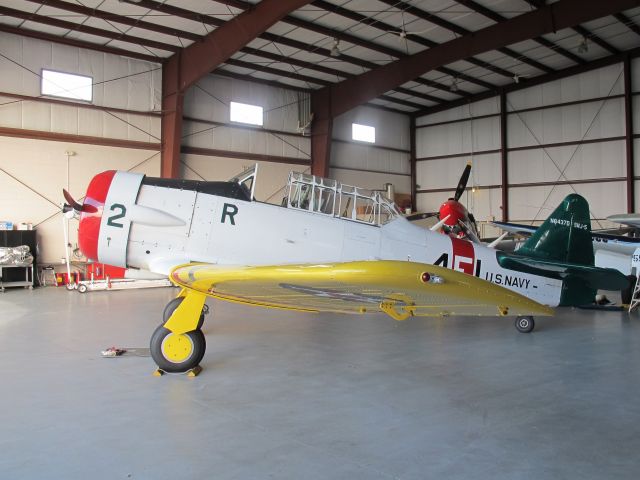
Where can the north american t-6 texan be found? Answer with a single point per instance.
(326, 247)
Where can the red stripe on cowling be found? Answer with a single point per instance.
(89, 228)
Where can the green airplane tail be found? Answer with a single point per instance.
(565, 236)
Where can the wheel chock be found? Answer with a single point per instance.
(192, 372)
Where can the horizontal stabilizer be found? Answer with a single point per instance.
(595, 277)
(515, 228)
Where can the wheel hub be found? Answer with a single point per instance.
(177, 348)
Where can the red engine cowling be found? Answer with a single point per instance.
(91, 215)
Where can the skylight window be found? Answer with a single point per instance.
(67, 85)
(363, 133)
(243, 113)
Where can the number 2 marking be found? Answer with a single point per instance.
(116, 216)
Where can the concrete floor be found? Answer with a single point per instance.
(303, 396)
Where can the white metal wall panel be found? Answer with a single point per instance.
(635, 74)
(43, 167)
(118, 83)
(462, 137)
(272, 177)
(372, 180)
(596, 83)
(112, 74)
(209, 99)
(569, 123)
(604, 199)
(445, 172)
(242, 140)
(483, 107)
(364, 157)
(392, 129)
(54, 118)
(578, 162)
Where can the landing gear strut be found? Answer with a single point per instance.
(178, 345)
(524, 324)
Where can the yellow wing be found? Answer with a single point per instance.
(400, 289)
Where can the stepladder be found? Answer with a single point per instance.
(635, 270)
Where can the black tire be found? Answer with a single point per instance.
(173, 304)
(627, 293)
(525, 324)
(177, 353)
(82, 288)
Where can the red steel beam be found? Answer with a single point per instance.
(198, 59)
(504, 158)
(205, 55)
(329, 102)
(350, 93)
(628, 121)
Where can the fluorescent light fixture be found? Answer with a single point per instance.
(243, 113)
(363, 133)
(67, 85)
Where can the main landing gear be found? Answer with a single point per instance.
(525, 324)
(178, 345)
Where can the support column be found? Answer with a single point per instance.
(628, 123)
(412, 160)
(321, 130)
(172, 106)
(504, 158)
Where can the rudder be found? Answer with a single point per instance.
(565, 236)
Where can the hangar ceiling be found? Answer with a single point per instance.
(326, 42)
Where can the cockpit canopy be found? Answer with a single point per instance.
(329, 197)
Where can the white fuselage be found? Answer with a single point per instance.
(186, 226)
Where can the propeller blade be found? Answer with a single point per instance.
(72, 203)
(462, 184)
(497, 240)
(468, 232)
(439, 225)
(414, 217)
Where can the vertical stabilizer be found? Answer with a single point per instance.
(565, 236)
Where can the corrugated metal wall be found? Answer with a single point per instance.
(117, 131)
(563, 136)
(371, 166)
(224, 148)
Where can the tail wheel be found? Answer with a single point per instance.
(524, 324)
(173, 304)
(177, 352)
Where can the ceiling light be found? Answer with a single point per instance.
(454, 85)
(335, 50)
(584, 46)
(516, 78)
